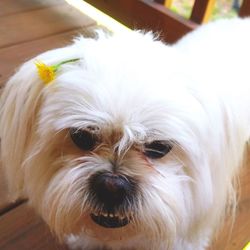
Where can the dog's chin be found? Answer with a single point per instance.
(117, 224)
(105, 229)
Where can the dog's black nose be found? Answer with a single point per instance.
(112, 190)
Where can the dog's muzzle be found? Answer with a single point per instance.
(113, 196)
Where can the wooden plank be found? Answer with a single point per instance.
(202, 10)
(13, 6)
(22, 229)
(13, 56)
(245, 9)
(160, 1)
(31, 25)
(146, 15)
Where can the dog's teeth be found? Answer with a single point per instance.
(111, 215)
(105, 214)
(95, 214)
(120, 216)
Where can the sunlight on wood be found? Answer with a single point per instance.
(247, 247)
(101, 18)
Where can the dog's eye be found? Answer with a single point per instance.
(157, 149)
(83, 139)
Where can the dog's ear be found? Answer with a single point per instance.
(19, 102)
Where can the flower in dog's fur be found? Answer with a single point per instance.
(45, 72)
(48, 73)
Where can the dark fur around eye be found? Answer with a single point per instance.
(83, 139)
(157, 149)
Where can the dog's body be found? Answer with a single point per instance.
(137, 144)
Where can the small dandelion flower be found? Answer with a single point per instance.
(45, 72)
(48, 73)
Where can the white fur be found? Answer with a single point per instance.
(195, 93)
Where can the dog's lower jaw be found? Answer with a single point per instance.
(125, 238)
(83, 242)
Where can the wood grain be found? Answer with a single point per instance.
(8, 7)
(22, 229)
(37, 24)
(14, 56)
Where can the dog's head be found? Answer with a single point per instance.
(118, 142)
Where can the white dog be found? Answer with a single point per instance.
(131, 143)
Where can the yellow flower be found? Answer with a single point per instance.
(48, 73)
(45, 72)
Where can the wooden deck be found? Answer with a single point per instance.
(28, 27)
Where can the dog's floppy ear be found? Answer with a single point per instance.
(19, 102)
(19, 107)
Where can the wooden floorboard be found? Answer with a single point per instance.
(37, 24)
(8, 7)
(22, 229)
(13, 56)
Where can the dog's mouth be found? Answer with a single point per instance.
(109, 220)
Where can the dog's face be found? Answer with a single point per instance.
(107, 149)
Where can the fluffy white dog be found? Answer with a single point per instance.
(131, 143)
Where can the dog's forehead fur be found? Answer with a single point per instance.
(116, 86)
